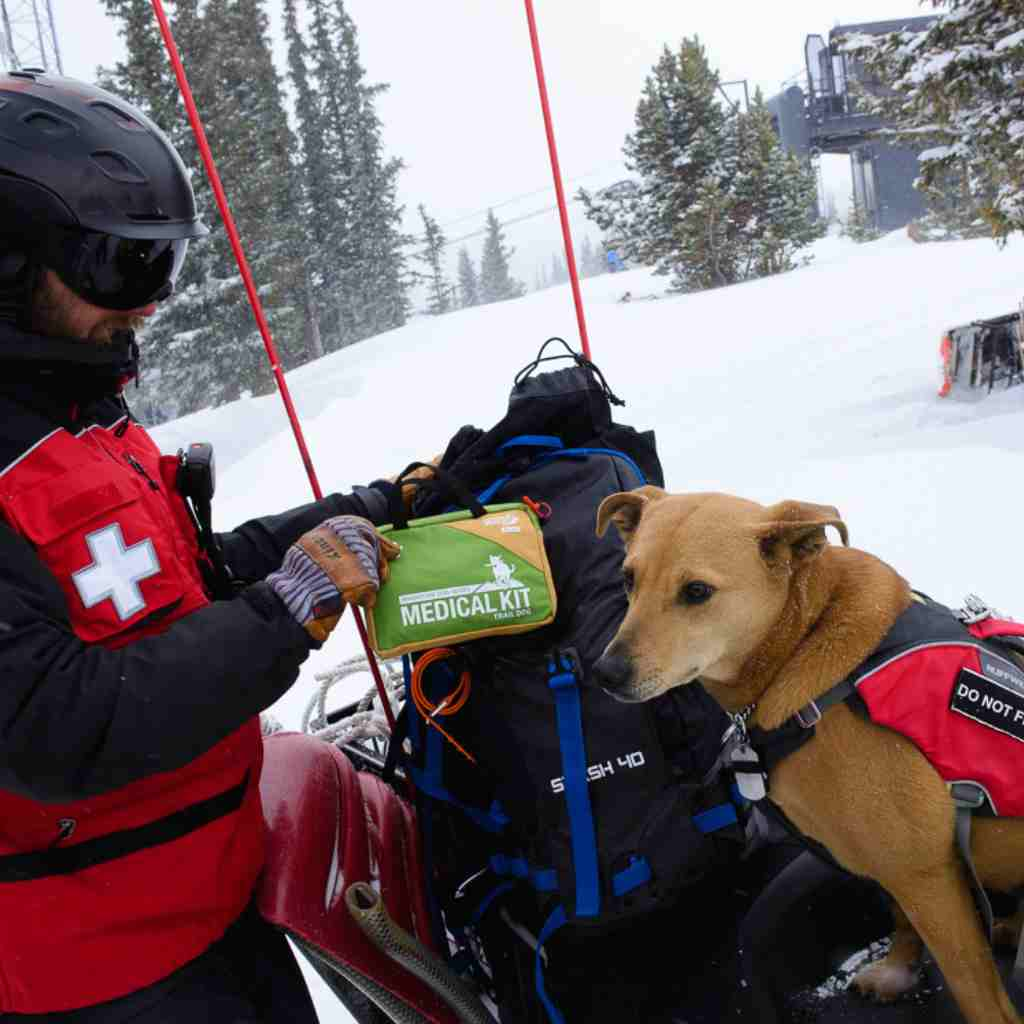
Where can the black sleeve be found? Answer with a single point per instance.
(257, 547)
(77, 719)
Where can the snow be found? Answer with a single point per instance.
(1010, 41)
(819, 385)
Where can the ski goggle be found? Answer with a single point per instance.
(113, 272)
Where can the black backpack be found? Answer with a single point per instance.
(593, 813)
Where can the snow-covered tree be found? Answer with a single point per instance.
(203, 347)
(559, 271)
(363, 264)
(956, 91)
(676, 143)
(859, 225)
(775, 198)
(591, 260)
(469, 281)
(496, 283)
(439, 289)
(716, 199)
(314, 177)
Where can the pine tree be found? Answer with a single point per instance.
(432, 254)
(591, 260)
(313, 175)
(144, 78)
(356, 264)
(204, 347)
(674, 148)
(469, 282)
(559, 271)
(958, 88)
(859, 225)
(585, 259)
(775, 197)
(496, 284)
(718, 199)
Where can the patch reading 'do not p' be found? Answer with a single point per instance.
(989, 703)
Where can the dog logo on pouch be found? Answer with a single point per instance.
(502, 571)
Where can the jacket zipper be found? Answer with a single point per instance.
(141, 470)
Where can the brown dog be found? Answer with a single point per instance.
(754, 602)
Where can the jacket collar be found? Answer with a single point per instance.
(61, 375)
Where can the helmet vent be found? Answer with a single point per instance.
(48, 124)
(120, 117)
(119, 168)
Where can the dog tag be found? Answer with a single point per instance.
(749, 778)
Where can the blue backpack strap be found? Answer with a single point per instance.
(555, 921)
(555, 450)
(635, 874)
(542, 879)
(430, 778)
(532, 441)
(564, 685)
(715, 818)
(584, 452)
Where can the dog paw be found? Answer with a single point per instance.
(885, 981)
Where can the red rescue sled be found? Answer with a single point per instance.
(330, 826)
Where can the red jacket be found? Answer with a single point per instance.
(130, 832)
(106, 894)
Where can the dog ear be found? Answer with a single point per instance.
(625, 510)
(800, 527)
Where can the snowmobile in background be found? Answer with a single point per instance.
(983, 355)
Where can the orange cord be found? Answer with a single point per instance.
(450, 705)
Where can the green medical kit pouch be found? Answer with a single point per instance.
(462, 576)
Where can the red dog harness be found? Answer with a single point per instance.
(944, 680)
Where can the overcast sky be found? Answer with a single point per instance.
(463, 110)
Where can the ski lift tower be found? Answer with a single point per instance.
(28, 36)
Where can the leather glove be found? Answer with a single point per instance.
(422, 473)
(343, 561)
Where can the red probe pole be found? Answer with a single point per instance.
(570, 255)
(257, 307)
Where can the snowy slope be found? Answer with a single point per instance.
(818, 385)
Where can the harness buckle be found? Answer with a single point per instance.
(974, 610)
(809, 715)
(968, 795)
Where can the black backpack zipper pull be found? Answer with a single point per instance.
(141, 470)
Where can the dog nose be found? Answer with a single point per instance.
(613, 671)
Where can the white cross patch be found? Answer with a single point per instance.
(116, 571)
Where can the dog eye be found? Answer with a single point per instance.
(696, 592)
(628, 580)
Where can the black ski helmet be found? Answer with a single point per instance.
(75, 156)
